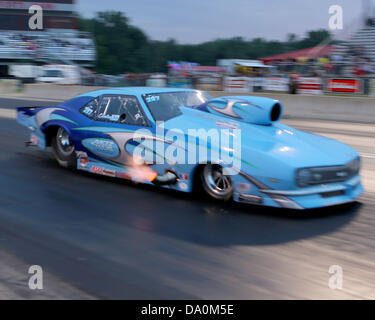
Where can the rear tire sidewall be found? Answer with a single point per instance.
(64, 160)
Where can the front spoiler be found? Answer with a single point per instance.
(307, 198)
(322, 189)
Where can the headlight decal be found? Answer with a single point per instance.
(306, 177)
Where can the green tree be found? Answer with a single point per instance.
(122, 47)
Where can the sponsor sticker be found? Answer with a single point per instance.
(37, 141)
(243, 187)
(103, 147)
(113, 117)
(109, 173)
(310, 85)
(276, 84)
(83, 163)
(34, 140)
(344, 85)
(123, 175)
(97, 170)
(183, 185)
(183, 176)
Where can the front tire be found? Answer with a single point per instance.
(215, 183)
(63, 149)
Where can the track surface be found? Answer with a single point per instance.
(102, 238)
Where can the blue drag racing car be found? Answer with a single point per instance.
(230, 147)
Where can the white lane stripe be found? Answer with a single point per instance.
(314, 125)
(368, 155)
(2, 96)
(8, 113)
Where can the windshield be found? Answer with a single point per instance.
(52, 74)
(165, 105)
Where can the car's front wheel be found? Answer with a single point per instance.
(63, 149)
(216, 183)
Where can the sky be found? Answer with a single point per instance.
(196, 21)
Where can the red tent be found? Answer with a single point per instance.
(315, 52)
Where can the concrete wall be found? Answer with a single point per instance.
(10, 86)
(54, 92)
(339, 108)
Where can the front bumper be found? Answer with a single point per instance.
(322, 195)
(302, 198)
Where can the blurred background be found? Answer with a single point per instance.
(101, 238)
(81, 45)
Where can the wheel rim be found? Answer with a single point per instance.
(217, 182)
(63, 142)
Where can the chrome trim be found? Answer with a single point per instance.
(315, 190)
(249, 198)
(281, 200)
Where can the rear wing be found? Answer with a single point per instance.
(28, 110)
(26, 115)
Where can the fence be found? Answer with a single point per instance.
(304, 85)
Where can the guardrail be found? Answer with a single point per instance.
(303, 85)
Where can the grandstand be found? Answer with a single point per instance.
(48, 46)
(359, 48)
(58, 42)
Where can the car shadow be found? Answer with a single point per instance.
(195, 218)
(82, 196)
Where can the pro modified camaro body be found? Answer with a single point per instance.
(231, 147)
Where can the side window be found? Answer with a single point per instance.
(121, 109)
(89, 110)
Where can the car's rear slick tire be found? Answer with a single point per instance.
(215, 183)
(63, 149)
